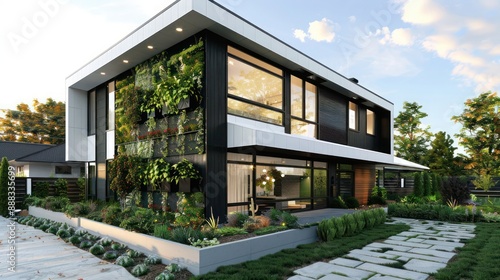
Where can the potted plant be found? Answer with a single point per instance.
(185, 175)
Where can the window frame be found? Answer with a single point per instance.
(356, 116)
(370, 122)
(259, 65)
(304, 111)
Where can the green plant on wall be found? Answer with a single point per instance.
(125, 172)
(156, 172)
(61, 187)
(181, 138)
(127, 112)
(200, 134)
(184, 169)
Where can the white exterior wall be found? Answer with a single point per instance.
(48, 170)
(76, 125)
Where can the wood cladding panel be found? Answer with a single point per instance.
(364, 179)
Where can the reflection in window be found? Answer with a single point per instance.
(370, 122)
(296, 96)
(353, 116)
(310, 102)
(63, 170)
(251, 83)
(243, 109)
(304, 107)
(239, 182)
(110, 114)
(255, 88)
(303, 128)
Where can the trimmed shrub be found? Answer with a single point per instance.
(340, 227)
(165, 275)
(96, 249)
(351, 202)
(237, 219)
(140, 269)
(454, 189)
(337, 202)
(418, 185)
(124, 261)
(378, 200)
(351, 225)
(434, 212)
(152, 260)
(427, 184)
(360, 220)
(110, 255)
(4, 186)
(369, 218)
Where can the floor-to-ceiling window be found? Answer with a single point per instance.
(281, 183)
(255, 88)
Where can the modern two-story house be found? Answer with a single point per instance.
(262, 121)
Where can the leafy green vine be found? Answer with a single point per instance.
(181, 138)
(200, 135)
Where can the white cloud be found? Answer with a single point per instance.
(352, 19)
(300, 34)
(423, 12)
(323, 30)
(402, 37)
(399, 36)
(470, 43)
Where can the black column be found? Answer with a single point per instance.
(215, 98)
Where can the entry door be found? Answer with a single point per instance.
(345, 183)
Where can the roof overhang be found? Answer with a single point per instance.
(194, 16)
(243, 133)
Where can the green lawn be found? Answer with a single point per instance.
(478, 259)
(282, 264)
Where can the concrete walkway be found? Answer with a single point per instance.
(41, 255)
(424, 249)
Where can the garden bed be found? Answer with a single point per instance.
(196, 260)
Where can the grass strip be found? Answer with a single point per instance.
(283, 263)
(478, 259)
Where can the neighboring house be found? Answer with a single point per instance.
(39, 160)
(276, 125)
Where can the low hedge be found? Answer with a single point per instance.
(437, 212)
(350, 224)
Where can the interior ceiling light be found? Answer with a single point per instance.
(178, 29)
(150, 47)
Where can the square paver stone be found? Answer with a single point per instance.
(320, 269)
(424, 266)
(383, 277)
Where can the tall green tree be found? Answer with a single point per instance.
(427, 184)
(480, 133)
(441, 156)
(45, 123)
(418, 184)
(411, 139)
(4, 186)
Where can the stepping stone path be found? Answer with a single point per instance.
(422, 250)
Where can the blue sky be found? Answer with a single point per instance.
(437, 53)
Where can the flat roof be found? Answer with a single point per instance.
(194, 16)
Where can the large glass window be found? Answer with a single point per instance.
(370, 122)
(353, 116)
(255, 88)
(303, 107)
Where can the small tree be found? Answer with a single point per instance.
(418, 186)
(125, 174)
(4, 185)
(434, 184)
(427, 184)
(484, 182)
(61, 187)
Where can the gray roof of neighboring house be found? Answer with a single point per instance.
(15, 150)
(31, 152)
(54, 154)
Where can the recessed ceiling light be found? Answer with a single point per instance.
(125, 61)
(103, 73)
(178, 29)
(150, 47)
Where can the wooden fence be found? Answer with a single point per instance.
(22, 188)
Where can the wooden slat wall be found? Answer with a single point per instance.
(364, 180)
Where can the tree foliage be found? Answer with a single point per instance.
(418, 185)
(412, 138)
(427, 184)
(4, 185)
(480, 133)
(441, 155)
(45, 123)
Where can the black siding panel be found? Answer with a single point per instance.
(216, 125)
(100, 139)
(332, 116)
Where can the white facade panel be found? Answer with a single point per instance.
(76, 125)
(91, 148)
(110, 144)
